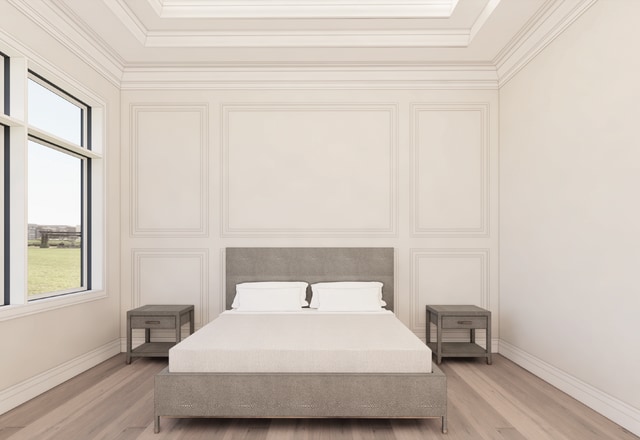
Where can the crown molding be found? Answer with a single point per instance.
(442, 38)
(309, 38)
(482, 18)
(543, 28)
(62, 24)
(124, 13)
(86, 46)
(325, 76)
(33, 60)
(303, 8)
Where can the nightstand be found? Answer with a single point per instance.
(156, 317)
(459, 317)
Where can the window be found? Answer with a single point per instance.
(54, 254)
(57, 260)
(52, 182)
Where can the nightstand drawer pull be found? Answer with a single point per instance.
(168, 322)
(464, 322)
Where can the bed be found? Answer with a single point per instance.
(368, 383)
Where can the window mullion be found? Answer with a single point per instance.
(64, 144)
(18, 215)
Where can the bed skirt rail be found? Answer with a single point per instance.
(301, 395)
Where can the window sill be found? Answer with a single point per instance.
(47, 304)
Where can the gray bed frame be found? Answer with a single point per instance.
(304, 395)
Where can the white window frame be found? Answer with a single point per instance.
(16, 120)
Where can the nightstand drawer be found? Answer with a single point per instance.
(153, 322)
(464, 322)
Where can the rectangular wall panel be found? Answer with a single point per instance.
(169, 150)
(450, 170)
(172, 276)
(447, 276)
(312, 170)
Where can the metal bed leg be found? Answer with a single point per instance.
(156, 424)
(444, 424)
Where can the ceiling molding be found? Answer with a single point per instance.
(156, 5)
(311, 38)
(15, 48)
(87, 47)
(541, 29)
(551, 21)
(391, 77)
(262, 9)
(482, 18)
(444, 38)
(121, 10)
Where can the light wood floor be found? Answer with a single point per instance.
(499, 401)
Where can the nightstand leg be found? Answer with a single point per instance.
(428, 328)
(178, 329)
(191, 322)
(129, 343)
(439, 343)
(473, 335)
(489, 340)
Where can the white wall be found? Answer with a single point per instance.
(43, 348)
(411, 169)
(569, 211)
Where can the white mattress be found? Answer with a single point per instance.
(302, 342)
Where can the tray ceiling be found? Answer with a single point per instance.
(303, 8)
(186, 34)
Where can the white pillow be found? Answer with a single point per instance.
(300, 285)
(363, 299)
(346, 285)
(278, 299)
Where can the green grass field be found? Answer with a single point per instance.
(52, 269)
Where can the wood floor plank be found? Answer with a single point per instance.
(76, 411)
(114, 401)
(9, 431)
(409, 429)
(129, 434)
(562, 415)
(377, 429)
(472, 405)
(36, 408)
(495, 396)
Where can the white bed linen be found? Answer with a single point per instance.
(309, 341)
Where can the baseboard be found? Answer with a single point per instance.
(621, 413)
(32, 387)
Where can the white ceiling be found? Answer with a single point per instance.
(161, 34)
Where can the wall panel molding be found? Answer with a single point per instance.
(387, 223)
(478, 257)
(478, 225)
(160, 204)
(197, 260)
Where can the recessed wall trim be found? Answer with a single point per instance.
(137, 229)
(417, 322)
(389, 110)
(481, 219)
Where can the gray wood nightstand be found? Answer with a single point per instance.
(459, 317)
(156, 317)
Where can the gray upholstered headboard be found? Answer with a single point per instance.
(312, 265)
